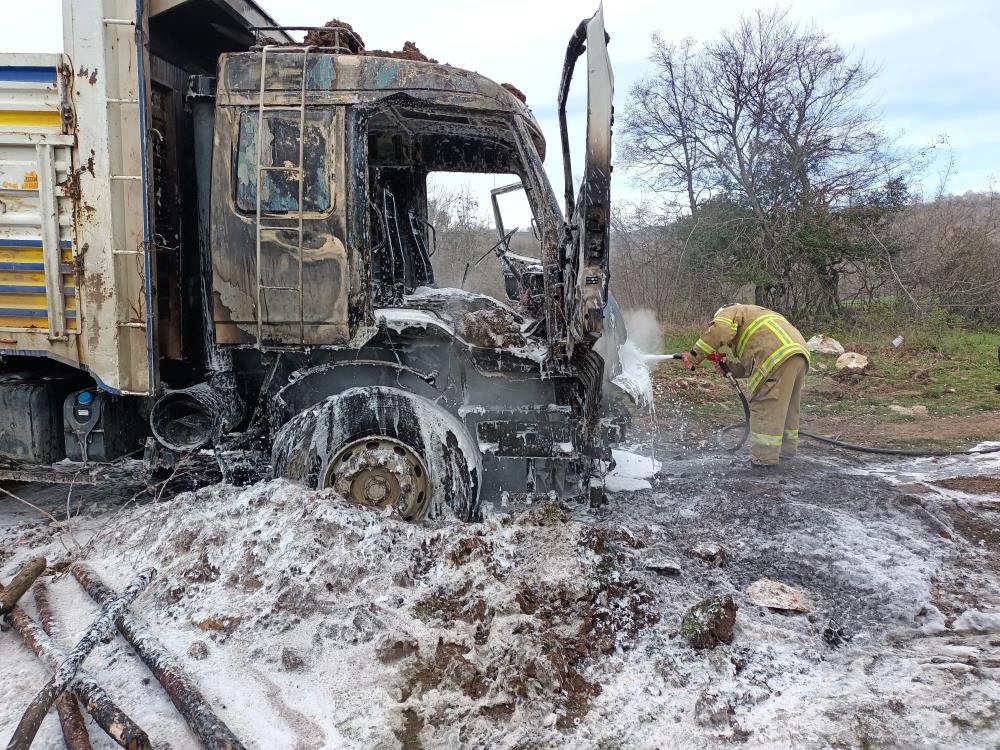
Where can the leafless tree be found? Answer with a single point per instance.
(659, 139)
(952, 253)
(771, 115)
(465, 234)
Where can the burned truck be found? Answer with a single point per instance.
(264, 278)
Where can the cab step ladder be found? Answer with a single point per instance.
(297, 170)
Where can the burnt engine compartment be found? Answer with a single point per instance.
(465, 353)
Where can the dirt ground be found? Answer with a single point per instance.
(309, 623)
(698, 403)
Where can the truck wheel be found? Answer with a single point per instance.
(383, 447)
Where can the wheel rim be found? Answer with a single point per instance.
(380, 472)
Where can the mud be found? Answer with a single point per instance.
(980, 485)
(331, 38)
(356, 45)
(490, 328)
(410, 51)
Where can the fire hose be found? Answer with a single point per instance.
(723, 366)
(720, 360)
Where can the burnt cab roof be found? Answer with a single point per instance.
(362, 79)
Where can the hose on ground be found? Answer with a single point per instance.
(840, 443)
(894, 451)
(745, 402)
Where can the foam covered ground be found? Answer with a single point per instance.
(315, 624)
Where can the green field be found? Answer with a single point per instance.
(942, 364)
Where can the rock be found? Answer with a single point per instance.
(919, 410)
(198, 650)
(291, 659)
(663, 566)
(392, 649)
(836, 635)
(852, 362)
(824, 344)
(930, 621)
(777, 595)
(710, 552)
(710, 622)
(713, 710)
(224, 624)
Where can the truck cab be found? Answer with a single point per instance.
(310, 327)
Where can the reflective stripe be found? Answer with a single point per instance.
(741, 342)
(791, 434)
(774, 360)
(702, 345)
(728, 322)
(779, 332)
(759, 438)
(13, 118)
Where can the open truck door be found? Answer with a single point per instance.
(589, 214)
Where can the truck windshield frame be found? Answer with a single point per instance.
(403, 138)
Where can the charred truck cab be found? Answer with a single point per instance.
(327, 344)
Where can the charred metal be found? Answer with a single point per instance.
(287, 283)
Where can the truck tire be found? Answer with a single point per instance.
(383, 447)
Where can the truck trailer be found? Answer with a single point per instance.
(216, 237)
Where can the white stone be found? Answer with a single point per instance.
(664, 566)
(777, 595)
(824, 344)
(852, 362)
(909, 411)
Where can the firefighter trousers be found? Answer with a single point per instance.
(774, 412)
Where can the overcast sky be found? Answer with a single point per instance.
(939, 59)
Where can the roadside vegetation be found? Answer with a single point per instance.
(944, 365)
(769, 178)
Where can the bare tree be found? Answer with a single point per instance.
(464, 234)
(659, 141)
(773, 117)
(952, 253)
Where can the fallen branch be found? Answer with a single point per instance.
(55, 521)
(71, 719)
(111, 610)
(209, 728)
(73, 727)
(20, 583)
(95, 700)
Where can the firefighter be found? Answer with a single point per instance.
(772, 354)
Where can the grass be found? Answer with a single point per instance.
(948, 367)
(942, 364)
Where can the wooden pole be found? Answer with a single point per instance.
(111, 610)
(20, 583)
(207, 727)
(73, 727)
(98, 703)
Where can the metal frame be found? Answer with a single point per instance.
(298, 170)
(336, 30)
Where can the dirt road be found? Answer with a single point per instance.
(322, 625)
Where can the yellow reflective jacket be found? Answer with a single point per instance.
(760, 340)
